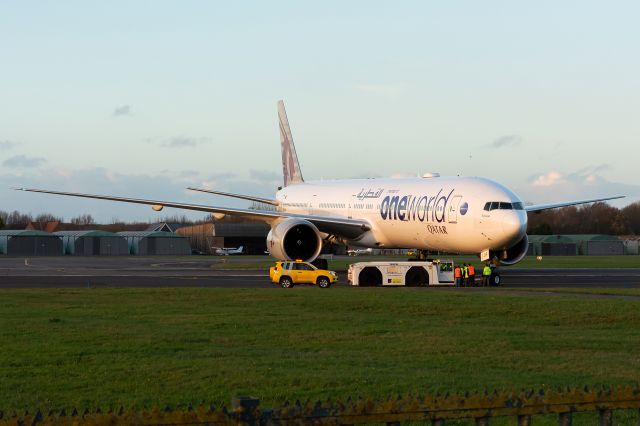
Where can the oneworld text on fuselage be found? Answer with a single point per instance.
(422, 208)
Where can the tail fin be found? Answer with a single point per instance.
(290, 164)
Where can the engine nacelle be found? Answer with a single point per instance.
(513, 254)
(294, 239)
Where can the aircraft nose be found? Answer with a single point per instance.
(514, 224)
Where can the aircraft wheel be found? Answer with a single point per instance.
(285, 282)
(496, 280)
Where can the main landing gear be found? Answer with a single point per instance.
(421, 255)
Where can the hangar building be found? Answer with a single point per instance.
(204, 237)
(572, 245)
(30, 243)
(93, 243)
(631, 244)
(151, 243)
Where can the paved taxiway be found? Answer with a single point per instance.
(69, 272)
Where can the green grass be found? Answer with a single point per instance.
(136, 347)
(635, 292)
(629, 261)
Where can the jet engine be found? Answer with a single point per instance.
(513, 254)
(294, 239)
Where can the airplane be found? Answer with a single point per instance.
(466, 215)
(358, 252)
(226, 251)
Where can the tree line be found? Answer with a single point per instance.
(18, 220)
(597, 218)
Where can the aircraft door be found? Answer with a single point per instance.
(453, 209)
(313, 203)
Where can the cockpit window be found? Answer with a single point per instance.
(502, 205)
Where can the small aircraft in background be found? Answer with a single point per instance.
(227, 251)
(358, 252)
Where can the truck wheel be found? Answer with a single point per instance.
(285, 282)
(416, 276)
(495, 279)
(370, 276)
(323, 282)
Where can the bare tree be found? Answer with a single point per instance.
(48, 217)
(84, 219)
(598, 218)
(175, 219)
(16, 218)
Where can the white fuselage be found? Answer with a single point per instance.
(438, 213)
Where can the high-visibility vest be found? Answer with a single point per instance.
(456, 272)
(465, 271)
(486, 270)
(472, 270)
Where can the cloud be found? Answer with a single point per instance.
(166, 185)
(506, 141)
(178, 142)
(7, 145)
(591, 169)
(187, 174)
(379, 89)
(22, 161)
(582, 184)
(549, 179)
(222, 176)
(122, 111)
(265, 175)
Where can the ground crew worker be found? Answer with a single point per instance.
(472, 275)
(486, 274)
(465, 275)
(457, 275)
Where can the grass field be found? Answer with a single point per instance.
(136, 347)
(261, 262)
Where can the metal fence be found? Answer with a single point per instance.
(435, 409)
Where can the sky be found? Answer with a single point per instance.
(145, 98)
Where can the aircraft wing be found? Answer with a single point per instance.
(350, 228)
(242, 197)
(540, 207)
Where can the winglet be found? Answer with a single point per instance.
(290, 165)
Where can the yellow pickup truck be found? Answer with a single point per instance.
(288, 273)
